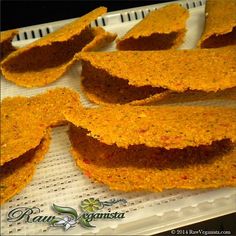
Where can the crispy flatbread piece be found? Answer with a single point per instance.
(102, 88)
(139, 77)
(16, 174)
(163, 28)
(156, 126)
(220, 24)
(153, 169)
(48, 58)
(192, 96)
(24, 120)
(6, 38)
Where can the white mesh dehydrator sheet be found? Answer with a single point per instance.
(59, 181)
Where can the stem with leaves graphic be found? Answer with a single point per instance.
(66, 222)
(69, 221)
(112, 202)
(84, 222)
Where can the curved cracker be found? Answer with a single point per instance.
(6, 38)
(193, 96)
(163, 28)
(16, 174)
(24, 120)
(220, 24)
(140, 168)
(156, 126)
(101, 39)
(48, 58)
(108, 74)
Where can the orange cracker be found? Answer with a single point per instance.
(101, 88)
(156, 126)
(192, 96)
(24, 120)
(163, 28)
(220, 24)
(6, 38)
(153, 169)
(48, 58)
(128, 76)
(105, 89)
(16, 174)
(101, 39)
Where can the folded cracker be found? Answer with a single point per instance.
(6, 38)
(48, 58)
(220, 24)
(156, 126)
(138, 76)
(154, 169)
(16, 174)
(24, 121)
(163, 28)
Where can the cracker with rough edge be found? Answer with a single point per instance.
(6, 38)
(140, 77)
(163, 28)
(48, 58)
(193, 96)
(24, 120)
(156, 126)
(141, 168)
(220, 24)
(101, 88)
(101, 39)
(16, 174)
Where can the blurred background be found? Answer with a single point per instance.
(19, 13)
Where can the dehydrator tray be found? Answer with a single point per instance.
(58, 180)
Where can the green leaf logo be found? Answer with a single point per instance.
(84, 223)
(65, 210)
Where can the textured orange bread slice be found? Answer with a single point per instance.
(154, 169)
(163, 28)
(48, 58)
(156, 126)
(220, 24)
(16, 174)
(24, 120)
(140, 76)
(6, 38)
